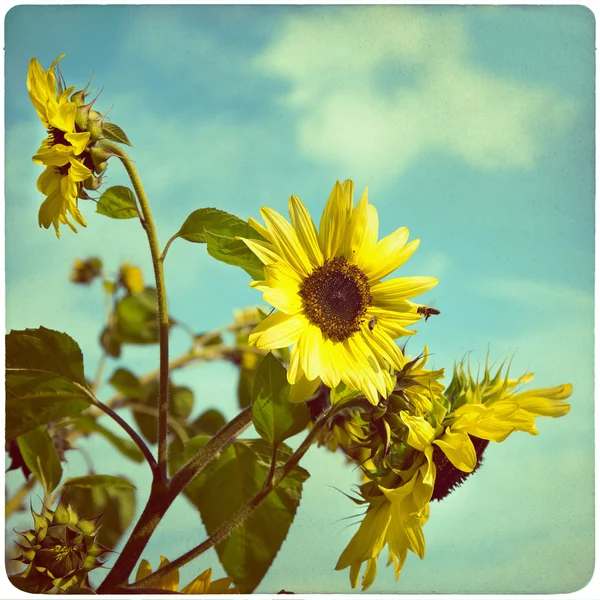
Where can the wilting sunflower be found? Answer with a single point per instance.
(422, 443)
(62, 152)
(332, 307)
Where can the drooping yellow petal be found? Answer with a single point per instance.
(459, 449)
(78, 171)
(309, 347)
(303, 389)
(420, 432)
(63, 117)
(79, 141)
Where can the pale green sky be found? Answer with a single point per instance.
(472, 125)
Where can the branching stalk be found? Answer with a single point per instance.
(243, 513)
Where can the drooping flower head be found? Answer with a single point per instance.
(71, 153)
(331, 304)
(420, 444)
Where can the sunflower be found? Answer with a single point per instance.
(200, 585)
(423, 443)
(332, 307)
(62, 152)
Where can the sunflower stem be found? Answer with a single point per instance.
(161, 497)
(245, 511)
(163, 315)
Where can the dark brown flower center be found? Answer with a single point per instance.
(336, 296)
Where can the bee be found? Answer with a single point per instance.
(427, 311)
(372, 323)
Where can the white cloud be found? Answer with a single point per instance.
(434, 98)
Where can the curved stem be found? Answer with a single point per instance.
(163, 315)
(150, 410)
(168, 244)
(124, 424)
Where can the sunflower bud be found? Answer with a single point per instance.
(94, 124)
(131, 278)
(85, 271)
(59, 551)
(100, 157)
(92, 183)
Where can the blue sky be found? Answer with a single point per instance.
(473, 127)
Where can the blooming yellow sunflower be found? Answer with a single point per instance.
(332, 307)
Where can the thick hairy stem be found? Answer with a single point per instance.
(158, 503)
(162, 496)
(163, 315)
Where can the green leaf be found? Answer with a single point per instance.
(110, 342)
(114, 133)
(229, 483)
(137, 318)
(219, 229)
(213, 220)
(127, 383)
(274, 417)
(113, 497)
(44, 372)
(125, 446)
(181, 402)
(40, 456)
(209, 422)
(235, 252)
(45, 350)
(117, 202)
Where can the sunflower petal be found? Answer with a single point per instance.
(387, 294)
(305, 228)
(277, 331)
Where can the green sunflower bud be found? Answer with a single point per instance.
(92, 183)
(100, 157)
(82, 115)
(94, 126)
(59, 551)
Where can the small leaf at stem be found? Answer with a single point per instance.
(117, 202)
(274, 417)
(41, 457)
(114, 133)
(220, 230)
